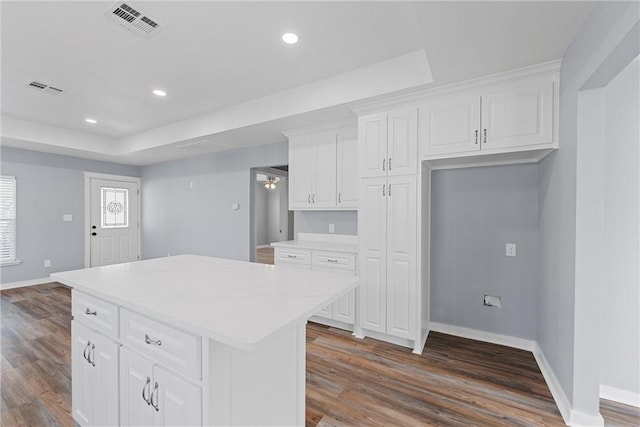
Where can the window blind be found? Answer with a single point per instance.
(7, 218)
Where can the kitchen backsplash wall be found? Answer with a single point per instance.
(346, 222)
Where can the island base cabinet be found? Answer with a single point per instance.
(152, 396)
(94, 373)
(262, 387)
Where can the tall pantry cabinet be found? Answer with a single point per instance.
(388, 228)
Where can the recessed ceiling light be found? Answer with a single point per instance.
(290, 38)
(92, 121)
(159, 92)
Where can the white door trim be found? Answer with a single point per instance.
(88, 176)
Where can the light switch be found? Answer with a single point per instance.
(67, 217)
(511, 249)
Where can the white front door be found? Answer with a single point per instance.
(113, 225)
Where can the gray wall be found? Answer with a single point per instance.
(177, 219)
(620, 338)
(346, 222)
(559, 317)
(475, 212)
(49, 186)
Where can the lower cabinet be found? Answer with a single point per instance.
(94, 374)
(344, 309)
(152, 396)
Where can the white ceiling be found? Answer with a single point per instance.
(229, 76)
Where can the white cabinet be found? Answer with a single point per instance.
(494, 119)
(342, 310)
(94, 376)
(312, 171)
(152, 396)
(388, 252)
(321, 174)
(387, 143)
(347, 150)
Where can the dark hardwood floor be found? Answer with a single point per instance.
(350, 382)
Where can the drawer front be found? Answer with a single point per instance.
(171, 347)
(292, 256)
(95, 313)
(334, 260)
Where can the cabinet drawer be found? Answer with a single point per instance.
(339, 261)
(292, 256)
(171, 347)
(95, 313)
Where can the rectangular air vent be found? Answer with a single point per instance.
(134, 19)
(44, 88)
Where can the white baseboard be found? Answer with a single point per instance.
(490, 337)
(620, 395)
(4, 286)
(570, 416)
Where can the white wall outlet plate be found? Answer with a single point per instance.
(332, 228)
(47, 263)
(235, 206)
(67, 217)
(492, 301)
(511, 249)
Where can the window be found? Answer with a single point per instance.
(115, 212)
(7, 219)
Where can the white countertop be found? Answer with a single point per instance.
(238, 303)
(320, 245)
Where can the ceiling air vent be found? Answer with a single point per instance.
(41, 87)
(133, 19)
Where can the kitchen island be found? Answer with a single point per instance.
(190, 340)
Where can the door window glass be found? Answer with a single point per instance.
(115, 210)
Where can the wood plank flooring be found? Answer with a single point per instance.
(265, 255)
(350, 382)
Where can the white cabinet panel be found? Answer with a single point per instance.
(179, 402)
(347, 148)
(96, 313)
(450, 125)
(372, 145)
(323, 163)
(136, 376)
(300, 160)
(94, 377)
(402, 148)
(518, 114)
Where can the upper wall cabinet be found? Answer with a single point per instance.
(388, 143)
(501, 118)
(321, 172)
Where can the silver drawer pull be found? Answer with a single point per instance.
(150, 341)
(155, 393)
(147, 387)
(332, 260)
(292, 256)
(90, 313)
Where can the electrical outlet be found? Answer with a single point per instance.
(47, 263)
(492, 301)
(332, 228)
(510, 249)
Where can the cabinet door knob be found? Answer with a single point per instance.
(383, 160)
(383, 185)
(147, 386)
(389, 190)
(313, 198)
(339, 197)
(155, 393)
(485, 136)
(389, 163)
(150, 341)
(92, 360)
(476, 136)
(309, 199)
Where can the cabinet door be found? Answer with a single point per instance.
(372, 145)
(401, 256)
(372, 233)
(179, 402)
(326, 312)
(344, 309)
(324, 170)
(136, 385)
(402, 151)
(105, 391)
(82, 374)
(300, 160)
(518, 114)
(450, 124)
(347, 149)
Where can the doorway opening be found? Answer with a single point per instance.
(270, 218)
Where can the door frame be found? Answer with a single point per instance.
(88, 176)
